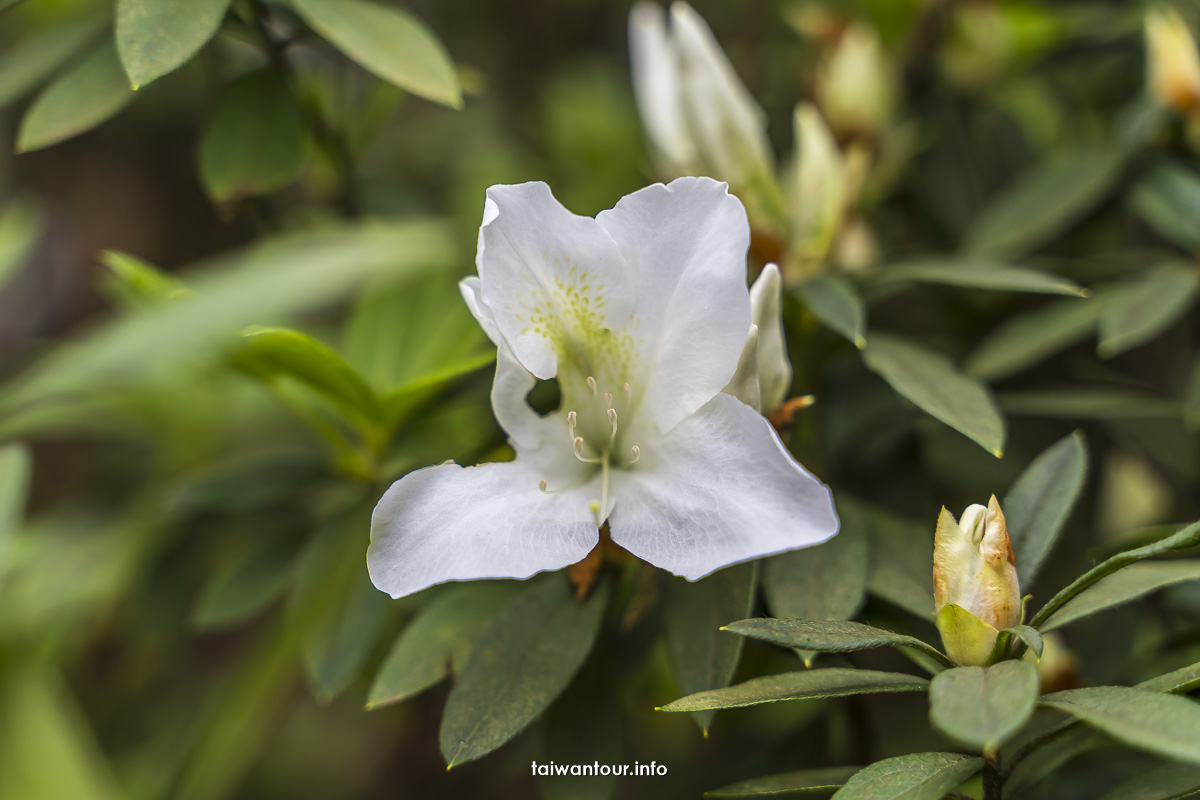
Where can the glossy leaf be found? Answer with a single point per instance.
(1164, 724)
(1041, 499)
(703, 656)
(807, 685)
(1046, 200)
(835, 302)
(155, 37)
(802, 783)
(20, 229)
(829, 636)
(519, 665)
(1123, 586)
(254, 143)
(29, 62)
(920, 776)
(77, 101)
(983, 707)
(974, 274)
(389, 42)
(439, 638)
(1024, 340)
(1137, 313)
(936, 386)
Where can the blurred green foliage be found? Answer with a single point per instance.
(230, 233)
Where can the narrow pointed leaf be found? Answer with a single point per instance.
(982, 707)
(936, 386)
(807, 685)
(1178, 681)
(1046, 200)
(703, 656)
(1138, 312)
(27, 63)
(1164, 724)
(520, 663)
(1088, 402)
(835, 302)
(1027, 339)
(155, 37)
(1041, 499)
(830, 636)
(1168, 198)
(20, 229)
(920, 776)
(389, 42)
(1168, 782)
(79, 100)
(802, 783)
(1123, 586)
(977, 274)
(15, 469)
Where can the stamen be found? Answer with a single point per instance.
(612, 420)
(572, 419)
(608, 399)
(625, 388)
(542, 486)
(591, 383)
(579, 447)
(637, 453)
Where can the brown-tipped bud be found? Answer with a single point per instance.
(974, 581)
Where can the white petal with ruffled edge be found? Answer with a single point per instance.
(686, 246)
(450, 523)
(718, 490)
(552, 280)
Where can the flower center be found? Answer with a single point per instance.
(594, 430)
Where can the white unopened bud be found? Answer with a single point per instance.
(856, 87)
(975, 587)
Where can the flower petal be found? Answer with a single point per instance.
(553, 281)
(686, 247)
(449, 523)
(766, 309)
(720, 489)
(657, 86)
(470, 290)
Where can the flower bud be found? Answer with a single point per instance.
(975, 587)
(1172, 66)
(764, 374)
(818, 187)
(855, 86)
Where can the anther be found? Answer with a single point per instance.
(579, 446)
(572, 420)
(612, 417)
(637, 453)
(625, 388)
(591, 383)
(608, 399)
(542, 486)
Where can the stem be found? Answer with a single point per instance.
(993, 779)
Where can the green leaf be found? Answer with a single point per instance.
(807, 685)
(271, 353)
(983, 707)
(1123, 586)
(254, 144)
(1088, 402)
(155, 37)
(827, 636)
(1168, 198)
(1041, 499)
(389, 42)
(828, 581)
(702, 657)
(20, 229)
(1027, 339)
(930, 381)
(1031, 637)
(1180, 540)
(244, 587)
(438, 638)
(901, 557)
(834, 301)
(1191, 403)
(1165, 724)
(1046, 200)
(137, 283)
(1168, 782)
(15, 470)
(1178, 681)
(29, 62)
(265, 284)
(585, 726)
(920, 776)
(524, 660)
(976, 274)
(802, 783)
(968, 640)
(79, 100)
(1136, 313)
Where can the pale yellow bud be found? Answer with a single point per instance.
(1172, 64)
(975, 588)
(856, 88)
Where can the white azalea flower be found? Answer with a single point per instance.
(641, 314)
(698, 114)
